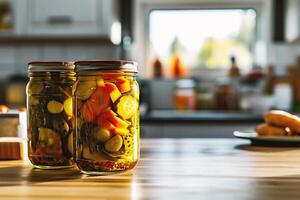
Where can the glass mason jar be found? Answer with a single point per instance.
(107, 123)
(50, 115)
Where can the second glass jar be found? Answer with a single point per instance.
(107, 121)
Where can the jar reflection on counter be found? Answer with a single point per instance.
(50, 114)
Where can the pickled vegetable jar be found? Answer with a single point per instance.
(50, 116)
(107, 122)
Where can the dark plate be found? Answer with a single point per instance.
(278, 141)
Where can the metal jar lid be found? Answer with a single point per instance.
(106, 65)
(52, 66)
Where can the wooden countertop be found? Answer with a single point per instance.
(170, 169)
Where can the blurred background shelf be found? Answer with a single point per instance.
(200, 116)
(198, 124)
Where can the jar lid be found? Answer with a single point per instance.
(51, 66)
(109, 65)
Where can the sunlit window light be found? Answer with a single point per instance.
(203, 38)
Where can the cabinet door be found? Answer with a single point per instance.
(67, 17)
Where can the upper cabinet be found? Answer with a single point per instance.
(61, 17)
(66, 18)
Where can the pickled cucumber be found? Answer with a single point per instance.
(85, 89)
(35, 88)
(70, 144)
(68, 107)
(55, 107)
(102, 134)
(114, 144)
(127, 106)
(33, 101)
(129, 143)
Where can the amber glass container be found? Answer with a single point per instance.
(185, 96)
(107, 116)
(50, 116)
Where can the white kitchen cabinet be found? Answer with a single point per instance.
(70, 17)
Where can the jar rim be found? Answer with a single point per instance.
(51, 66)
(109, 65)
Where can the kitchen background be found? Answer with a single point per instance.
(205, 66)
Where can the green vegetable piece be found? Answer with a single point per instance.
(35, 87)
(85, 89)
(70, 144)
(33, 101)
(102, 134)
(48, 137)
(114, 144)
(129, 142)
(55, 107)
(127, 106)
(61, 126)
(68, 106)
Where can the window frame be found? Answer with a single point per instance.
(141, 45)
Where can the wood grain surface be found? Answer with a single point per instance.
(169, 169)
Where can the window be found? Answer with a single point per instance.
(204, 38)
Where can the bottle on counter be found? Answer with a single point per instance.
(178, 69)
(157, 69)
(205, 96)
(234, 70)
(270, 79)
(225, 96)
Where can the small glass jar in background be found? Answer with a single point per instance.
(225, 96)
(50, 115)
(185, 95)
(107, 122)
(205, 95)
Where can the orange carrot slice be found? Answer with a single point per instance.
(113, 91)
(123, 85)
(95, 105)
(104, 123)
(116, 121)
(87, 112)
(99, 100)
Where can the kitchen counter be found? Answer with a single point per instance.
(200, 116)
(170, 169)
